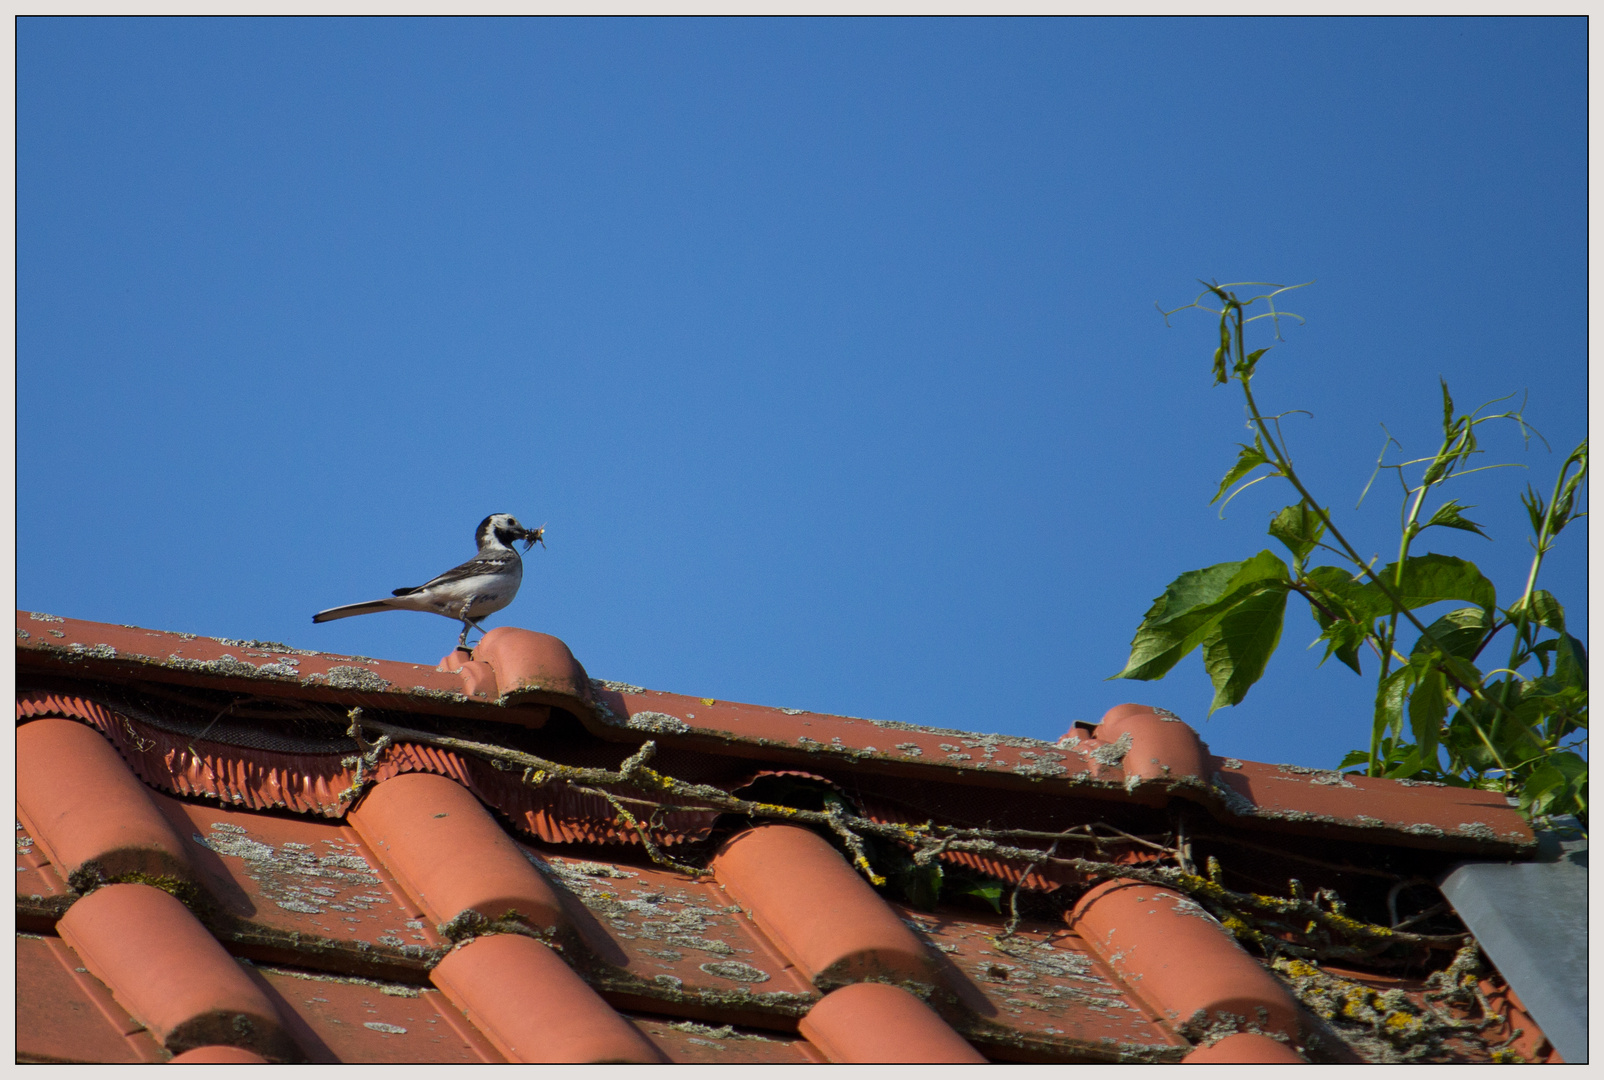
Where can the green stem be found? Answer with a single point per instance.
(1471, 684)
(1521, 619)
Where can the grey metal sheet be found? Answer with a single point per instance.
(1531, 921)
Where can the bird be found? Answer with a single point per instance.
(484, 584)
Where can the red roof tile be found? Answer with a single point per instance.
(66, 1014)
(87, 813)
(871, 1023)
(1171, 952)
(1245, 1048)
(218, 1055)
(533, 1007)
(446, 850)
(820, 913)
(261, 887)
(169, 973)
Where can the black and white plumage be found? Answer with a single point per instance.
(484, 584)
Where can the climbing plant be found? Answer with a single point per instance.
(1441, 714)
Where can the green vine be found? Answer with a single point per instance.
(1520, 729)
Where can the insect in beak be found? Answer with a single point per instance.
(533, 536)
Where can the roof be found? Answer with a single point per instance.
(211, 865)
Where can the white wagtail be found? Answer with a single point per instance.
(484, 584)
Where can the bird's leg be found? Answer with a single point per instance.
(468, 620)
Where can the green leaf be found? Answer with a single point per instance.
(1447, 410)
(1449, 517)
(1354, 600)
(1411, 763)
(1543, 609)
(1249, 459)
(1459, 632)
(1350, 610)
(1251, 361)
(1298, 527)
(1428, 579)
(1536, 509)
(1571, 661)
(987, 891)
(1344, 640)
(1544, 787)
(1240, 645)
(1556, 786)
(1355, 757)
(1179, 620)
(1428, 705)
(1390, 698)
(922, 884)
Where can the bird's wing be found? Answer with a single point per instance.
(478, 566)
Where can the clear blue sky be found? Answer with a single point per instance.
(826, 350)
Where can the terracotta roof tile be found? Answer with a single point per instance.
(534, 1008)
(870, 1023)
(1027, 995)
(326, 906)
(276, 889)
(1245, 1048)
(341, 1018)
(218, 1055)
(90, 816)
(450, 855)
(533, 667)
(66, 1014)
(169, 973)
(1179, 959)
(1082, 761)
(687, 1042)
(125, 652)
(663, 942)
(823, 916)
(43, 896)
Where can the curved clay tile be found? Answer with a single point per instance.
(877, 1024)
(534, 1008)
(478, 678)
(450, 854)
(1245, 1049)
(170, 974)
(92, 817)
(321, 784)
(817, 909)
(530, 663)
(1180, 960)
(218, 1055)
(1162, 746)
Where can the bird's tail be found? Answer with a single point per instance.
(352, 609)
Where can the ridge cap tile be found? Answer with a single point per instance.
(529, 662)
(1078, 764)
(170, 974)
